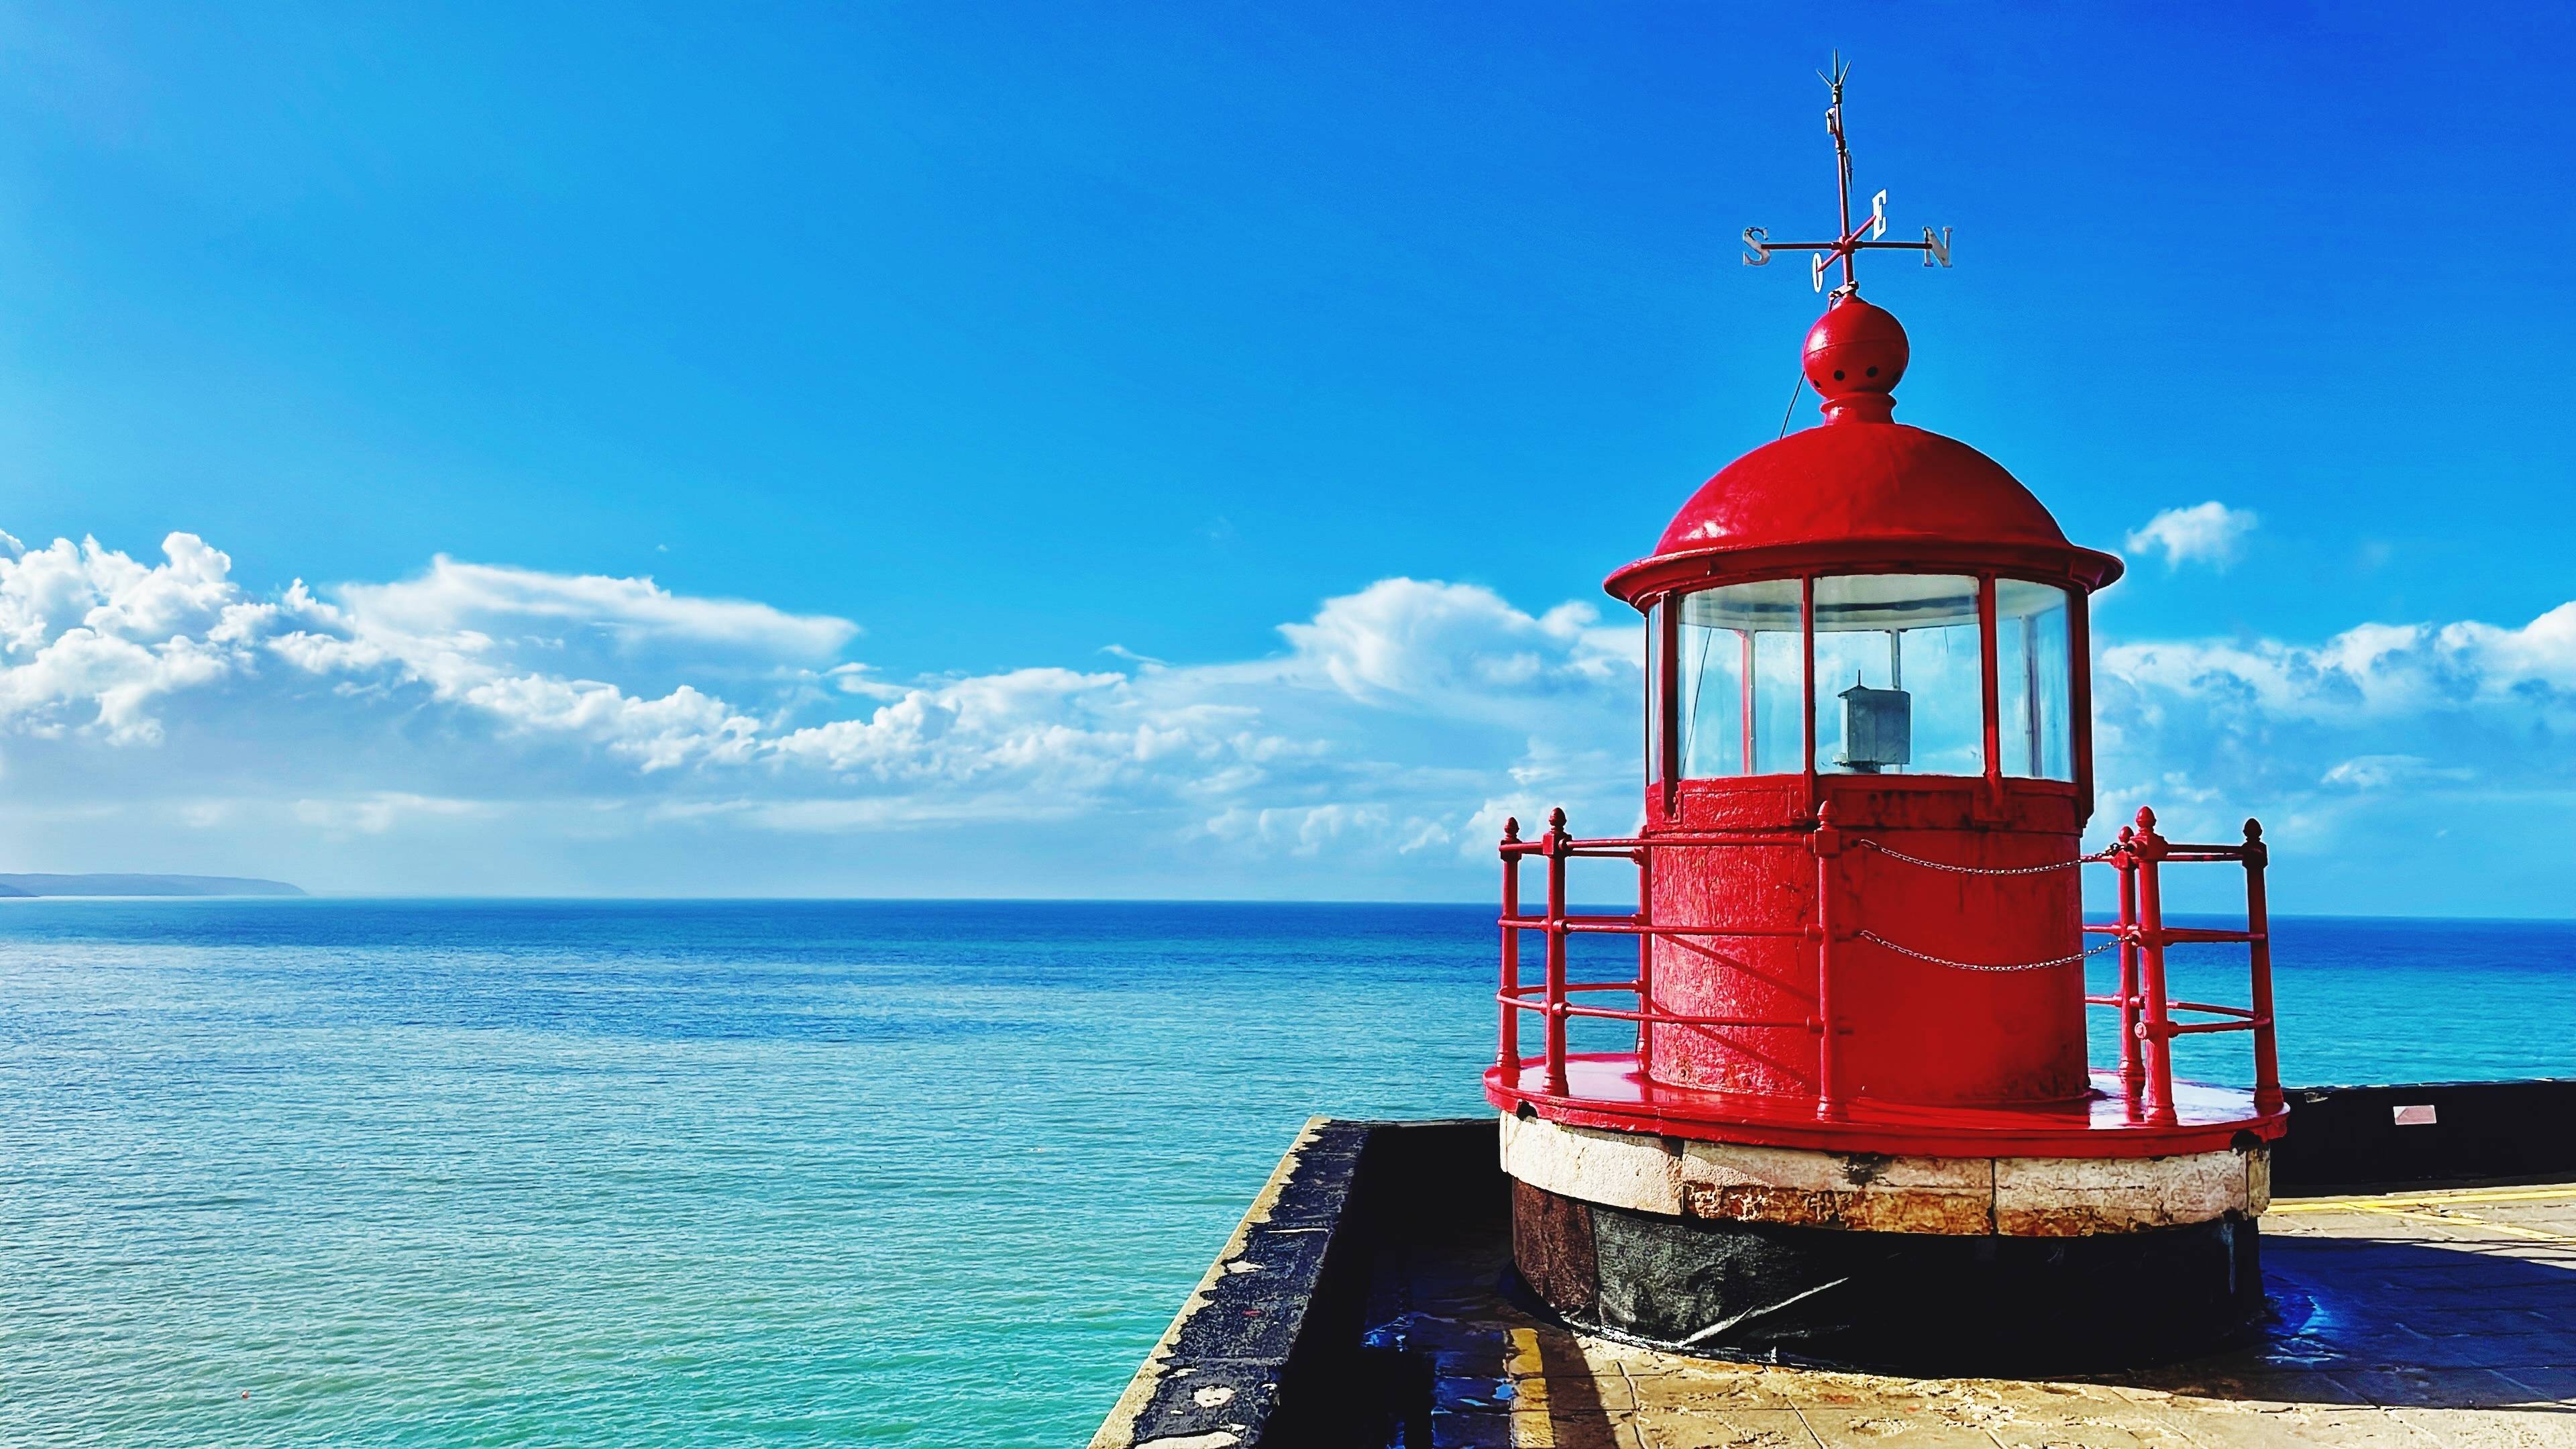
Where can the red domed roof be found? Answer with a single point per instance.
(1861, 488)
(1861, 481)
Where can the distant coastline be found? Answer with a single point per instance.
(143, 885)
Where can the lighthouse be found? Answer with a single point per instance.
(1853, 1117)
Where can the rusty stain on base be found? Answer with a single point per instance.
(1796, 1187)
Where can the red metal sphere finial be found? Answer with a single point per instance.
(1855, 354)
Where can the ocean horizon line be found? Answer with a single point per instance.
(314, 897)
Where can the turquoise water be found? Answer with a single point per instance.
(361, 1173)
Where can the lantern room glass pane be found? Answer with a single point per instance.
(1655, 694)
(1739, 681)
(1899, 684)
(2034, 667)
(1779, 699)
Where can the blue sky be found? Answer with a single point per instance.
(1174, 450)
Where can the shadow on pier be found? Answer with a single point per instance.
(1369, 1300)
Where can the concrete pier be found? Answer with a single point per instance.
(1366, 1301)
(2421, 1319)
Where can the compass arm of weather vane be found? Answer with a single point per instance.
(1846, 249)
(1935, 246)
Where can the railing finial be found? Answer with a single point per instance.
(2146, 821)
(2253, 831)
(1511, 830)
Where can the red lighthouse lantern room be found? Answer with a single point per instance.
(1858, 1120)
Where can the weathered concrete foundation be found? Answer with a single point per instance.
(1925, 1303)
(1923, 1265)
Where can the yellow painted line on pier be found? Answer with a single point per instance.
(2443, 1195)
(2439, 1207)
(1533, 1425)
(2471, 1220)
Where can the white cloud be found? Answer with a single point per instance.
(87, 629)
(2379, 772)
(2360, 750)
(1376, 751)
(455, 600)
(1384, 724)
(378, 811)
(2371, 672)
(1421, 641)
(2210, 533)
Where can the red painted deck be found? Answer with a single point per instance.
(1607, 1090)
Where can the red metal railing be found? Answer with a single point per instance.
(2147, 1024)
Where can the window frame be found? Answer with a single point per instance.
(1664, 611)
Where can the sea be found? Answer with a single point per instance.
(346, 1172)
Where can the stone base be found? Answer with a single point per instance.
(1918, 1303)
(2016, 1197)
(1926, 1265)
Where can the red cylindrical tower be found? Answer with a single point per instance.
(1860, 1070)
(1856, 565)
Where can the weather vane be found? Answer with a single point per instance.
(1854, 239)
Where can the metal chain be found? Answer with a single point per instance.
(1896, 854)
(1876, 939)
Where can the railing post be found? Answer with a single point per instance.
(1645, 961)
(2133, 1066)
(1507, 1055)
(2156, 1030)
(1557, 841)
(1827, 843)
(2258, 924)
